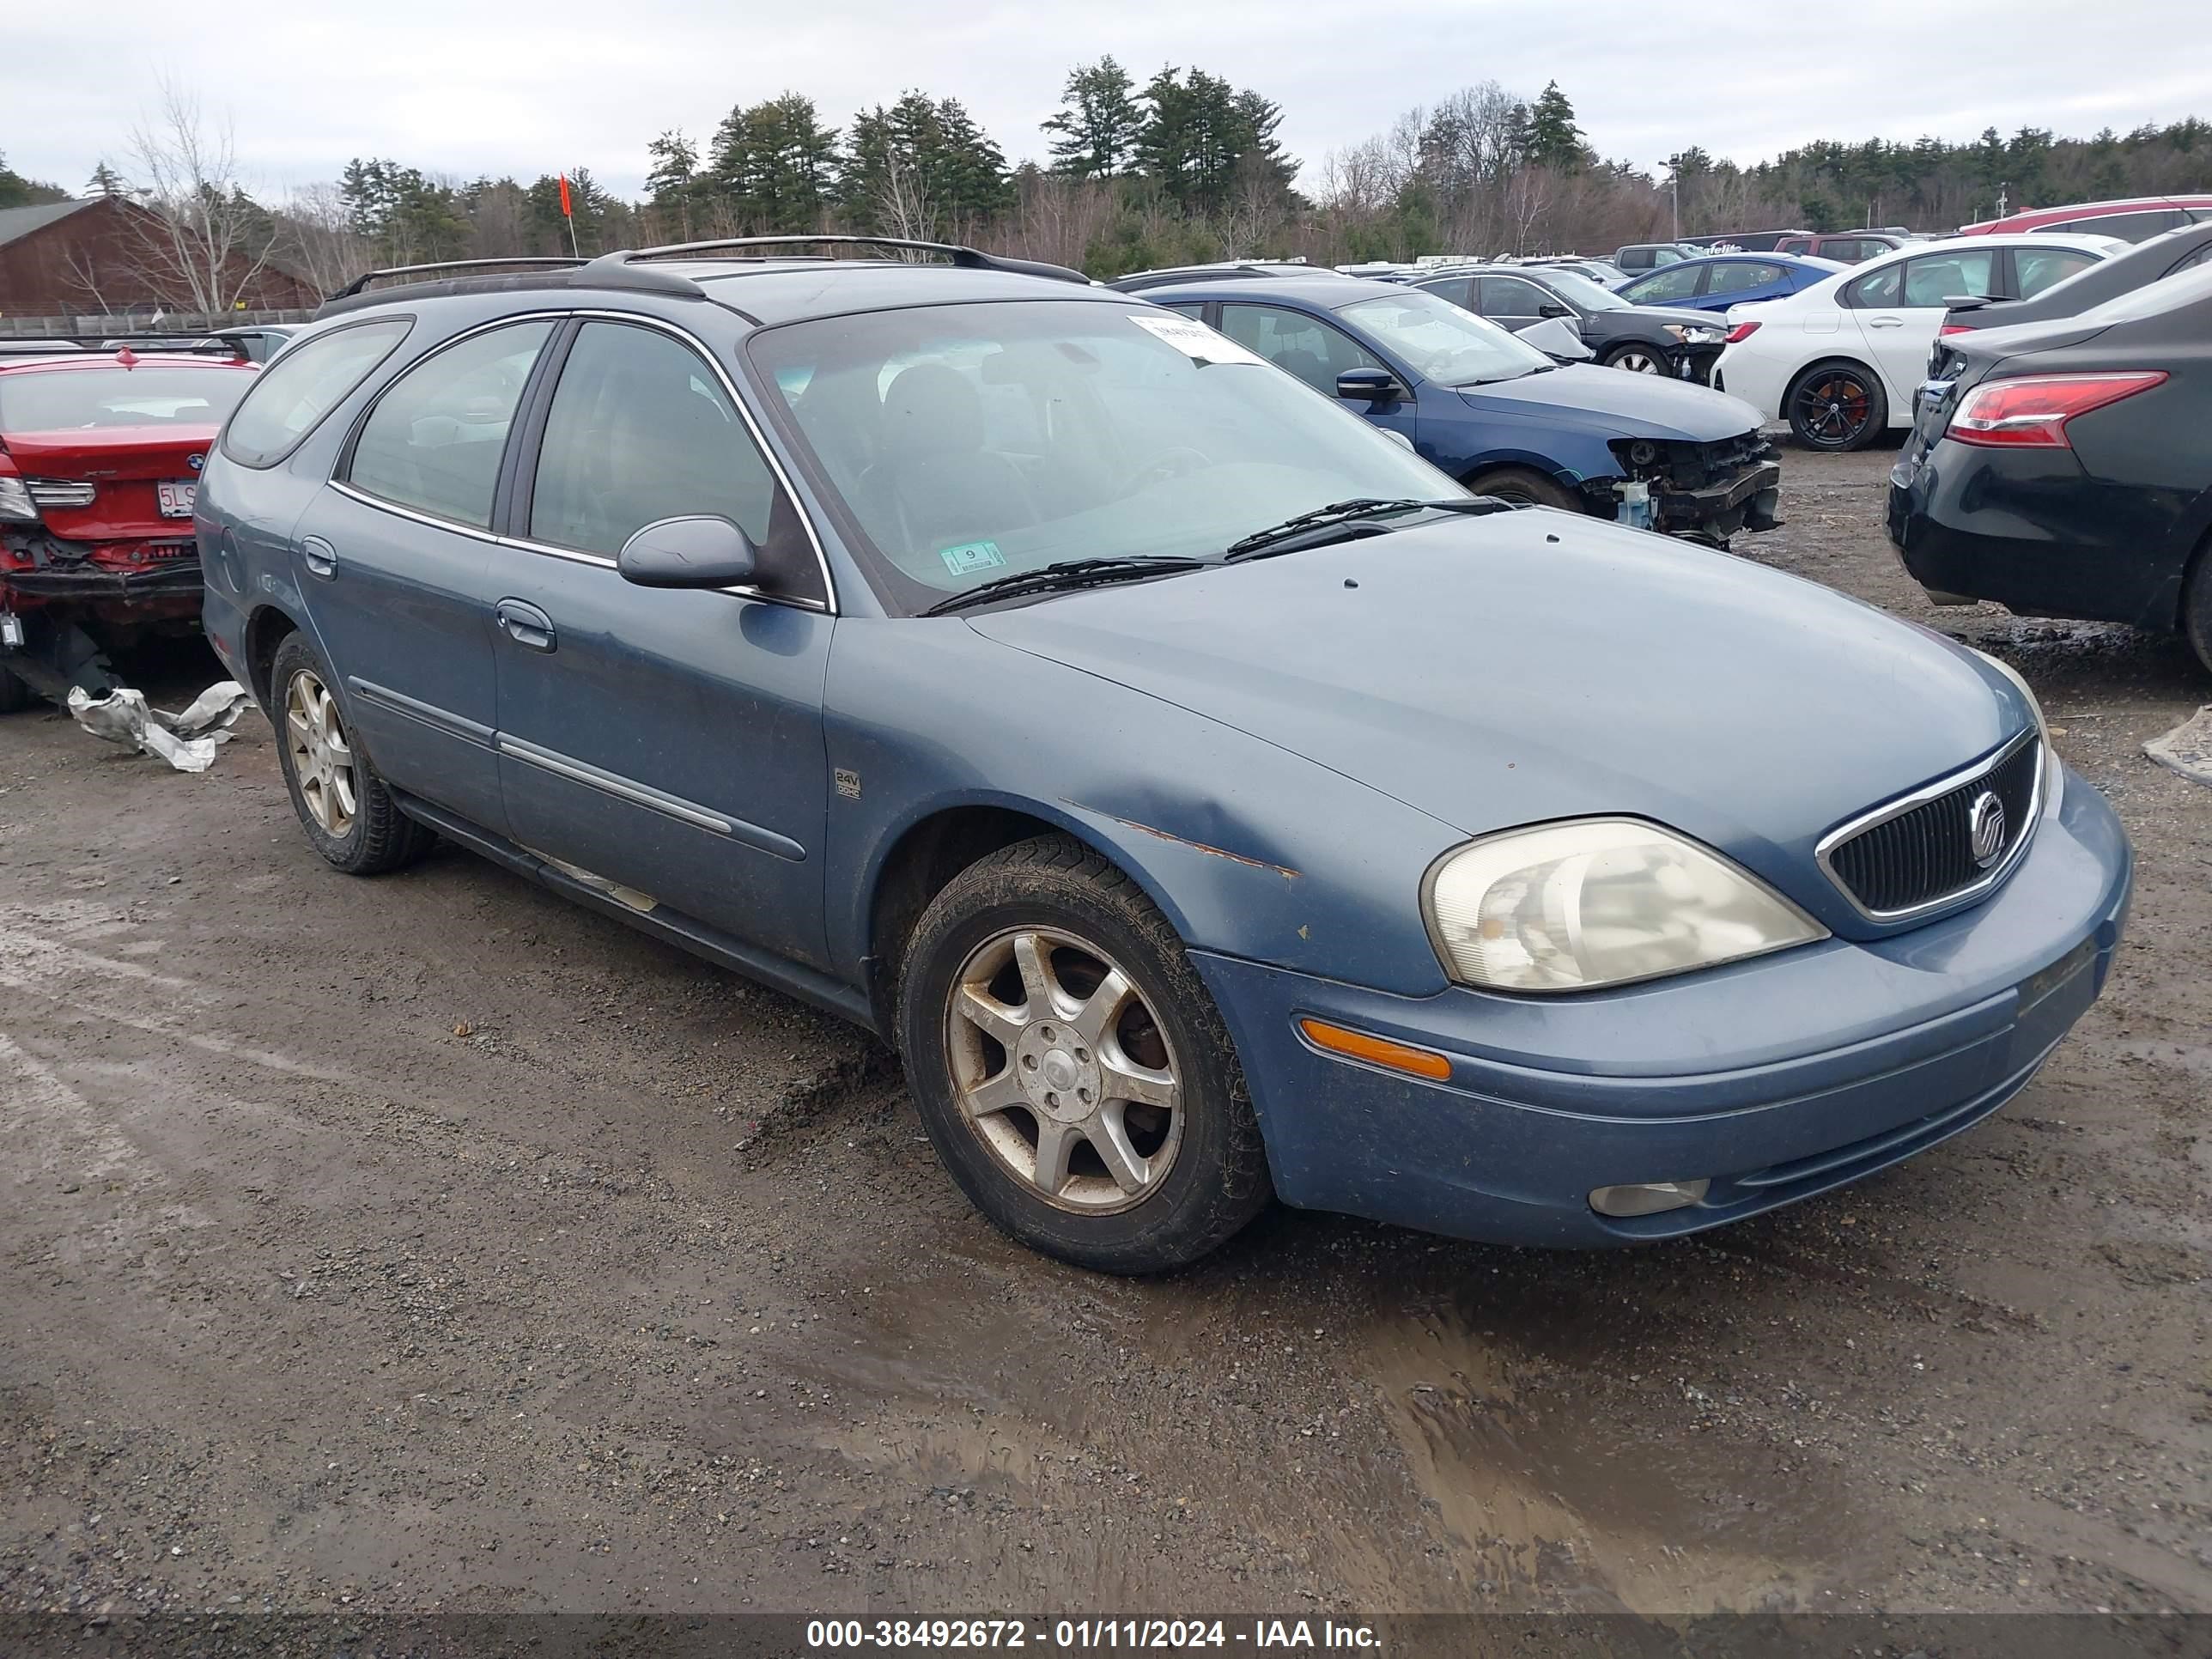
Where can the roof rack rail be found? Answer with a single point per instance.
(967, 258)
(489, 276)
(359, 284)
(203, 343)
(1137, 281)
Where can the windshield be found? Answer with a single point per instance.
(1441, 342)
(151, 394)
(1572, 285)
(976, 442)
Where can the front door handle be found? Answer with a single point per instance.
(319, 557)
(525, 624)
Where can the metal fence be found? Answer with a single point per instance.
(142, 322)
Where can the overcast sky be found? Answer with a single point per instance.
(465, 86)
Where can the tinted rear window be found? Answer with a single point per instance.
(151, 394)
(292, 395)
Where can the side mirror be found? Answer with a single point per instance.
(695, 552)
(1553, 308)
(1561, 342)
(1372, 385)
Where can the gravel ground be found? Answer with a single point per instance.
(427, 1243)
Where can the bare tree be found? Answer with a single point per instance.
(205, 243)
(84, 277)
(317, 240)
(903, 200)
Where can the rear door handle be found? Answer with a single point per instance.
(525, 624)
(1885, 322)
(319, 557)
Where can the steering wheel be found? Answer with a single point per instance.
(1178, 461)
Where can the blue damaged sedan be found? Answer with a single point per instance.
(1211, 801)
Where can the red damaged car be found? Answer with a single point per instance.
(100, 459)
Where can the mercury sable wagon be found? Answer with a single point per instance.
(1210, 799)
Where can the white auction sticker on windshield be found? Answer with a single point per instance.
(1192, 338)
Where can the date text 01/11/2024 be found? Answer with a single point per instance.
(835, 1635)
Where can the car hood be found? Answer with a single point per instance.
(1630, 406)
(1530, 666)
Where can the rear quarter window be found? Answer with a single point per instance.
(290, 397)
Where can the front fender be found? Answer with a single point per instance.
(1249, 850)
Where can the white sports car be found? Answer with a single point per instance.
(1840, 360)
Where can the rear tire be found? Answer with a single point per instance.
(1837, 407)
(2197, 607)
(1071, 1068)
(343, 804)
(1521, 483)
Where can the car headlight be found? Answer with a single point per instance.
(1597, 902)
(2054, 773)
(16, 499)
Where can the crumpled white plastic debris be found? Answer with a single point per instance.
(2188, 748)
(187, 740)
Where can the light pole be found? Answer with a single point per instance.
(1675, 200)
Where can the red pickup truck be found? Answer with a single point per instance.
(100, 459)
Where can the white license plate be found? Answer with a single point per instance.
(176, 496)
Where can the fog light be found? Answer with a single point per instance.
(1647, 1197)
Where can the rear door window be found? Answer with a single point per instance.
(1665, 286)
(1739, 275)
(290, 398)
(435, 439)
(2127, 227)
(2035, 269)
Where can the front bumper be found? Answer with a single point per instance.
(1775, 1079)
(1748, 501)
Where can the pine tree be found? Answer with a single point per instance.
(1554, 140)
(105, 181)
(772, 164)
(1098, 123)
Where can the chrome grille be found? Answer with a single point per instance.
(1919, 852)
(58, 492)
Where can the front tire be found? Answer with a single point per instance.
(1071, 1068)
(1837, 407)
(343, 804)
(1521, 483)
(1640, 359)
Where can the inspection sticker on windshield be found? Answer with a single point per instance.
(1192, 338)
(971, 556)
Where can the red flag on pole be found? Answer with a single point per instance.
(566, 211)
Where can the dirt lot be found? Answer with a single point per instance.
(426, 1242)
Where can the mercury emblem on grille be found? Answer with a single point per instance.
(1985, 828)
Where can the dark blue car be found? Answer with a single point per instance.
(1728, 279)
(1496, 413)
(1209, 798)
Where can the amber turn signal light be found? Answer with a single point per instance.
(1376, 1051)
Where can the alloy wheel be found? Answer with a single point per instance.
(1061, 1071)
(1833, 409)
(322, 759)
(1637, 361)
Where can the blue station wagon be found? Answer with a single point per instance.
(1210, 800)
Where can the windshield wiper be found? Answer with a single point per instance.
(1066, 575)
(1338, 515)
